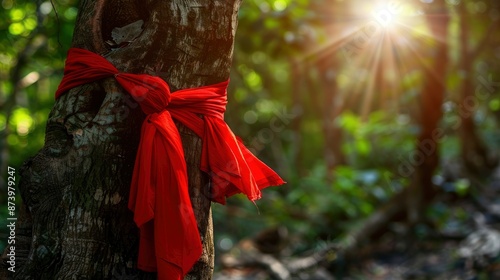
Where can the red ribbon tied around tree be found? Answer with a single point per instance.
(169, 239)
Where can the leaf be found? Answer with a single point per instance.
(363, 146)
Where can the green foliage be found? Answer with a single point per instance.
(371, 142)
(33, 43)
(321, 205)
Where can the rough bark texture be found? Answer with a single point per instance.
(77, 224)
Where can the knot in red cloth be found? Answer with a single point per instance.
(169, 240)
(152, 93)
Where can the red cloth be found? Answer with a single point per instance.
(159, 197)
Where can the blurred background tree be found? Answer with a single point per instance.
(383, 116)
(34, 42)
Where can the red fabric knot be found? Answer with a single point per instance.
(169, 240)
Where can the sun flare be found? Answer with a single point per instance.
(384, 17)
(381, 43)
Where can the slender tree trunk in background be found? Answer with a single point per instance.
(296, 124)
(474, 151)
(331, 110)
(426, 155)
(76, 188)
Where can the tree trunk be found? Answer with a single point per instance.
(426, 156)
(297, 156)
(331, 111)
(77, 225)
(473, 151)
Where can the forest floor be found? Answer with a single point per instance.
(465, 245)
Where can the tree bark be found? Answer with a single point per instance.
(76, 188)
